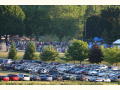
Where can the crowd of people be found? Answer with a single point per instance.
(59, 46)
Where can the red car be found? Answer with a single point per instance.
(13, 77)
(4, 78)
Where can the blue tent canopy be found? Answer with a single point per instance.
(97, 39)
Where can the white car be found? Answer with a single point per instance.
(115, 68)
(103, 67)
(99, 79)
(49, 78)
(26, 78)
(107, 80)
(92, 72)
(103, 79)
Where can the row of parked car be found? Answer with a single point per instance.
(25, 77)
(39, 70)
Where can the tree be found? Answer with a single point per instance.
(30, 51)
(66, 20)
(92, 25)
(112, 15)
(37, 20)
(55, 20)
(95, 54)
(78, 50)
(111, 55)
(104, 24)
(12, 52)
(49, 53)
(11, 20)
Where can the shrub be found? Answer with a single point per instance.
(111, 55)
(95, 54)
(12, 51)
(49, 53)
(78, 50)
(30, 51)
(67, 56)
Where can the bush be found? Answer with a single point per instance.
(49, 53)
(67, 56)
(30, 51)
(78, 50)
(12, 51)
(111, 55)
(95, 54)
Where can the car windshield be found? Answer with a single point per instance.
(26, 75)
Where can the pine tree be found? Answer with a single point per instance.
(12, 51)
(30, 51)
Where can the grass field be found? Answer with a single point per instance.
(59, 59)
(21, 53)
(54, 83)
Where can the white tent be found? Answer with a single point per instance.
(117, 42)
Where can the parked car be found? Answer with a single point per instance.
(43, 71)
(57, 77)
(92, 72)
(4, 78)
(102, 74)
(113, 79)
(35, 78)
(103, 79)
(79, 77)
(72, 77)
(99, 79)
(92, 79)
(24, 77)
(107, 80)
(13, 77)
(66, 77)
(46, 77)
(86, 78)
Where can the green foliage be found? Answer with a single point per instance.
(49, 53)
(71, 21)
(66, 20)
(112, 16)
(12, 52)
(11, 20)
(30, 51)
(55, 20)
(78, 50)
(37, 20)
(105, 24)
(95, 55)
(111, 55)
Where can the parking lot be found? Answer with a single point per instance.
(35, 70)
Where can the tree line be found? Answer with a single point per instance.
(65, 22)
(77, 51)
